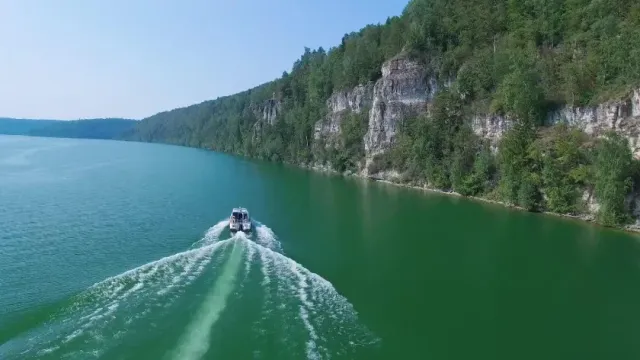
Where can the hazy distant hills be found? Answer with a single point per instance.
(108, 128)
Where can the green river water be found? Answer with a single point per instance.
(116, 250)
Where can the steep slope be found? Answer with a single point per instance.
(465, 96)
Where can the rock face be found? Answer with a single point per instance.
(356, 100)
(491, 127)
(256, 131)
(622, 116)
(266, 113)
(340, 104)
(269, 111)
(406, 89)
(403, 91)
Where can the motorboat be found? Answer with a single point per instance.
(240, 220)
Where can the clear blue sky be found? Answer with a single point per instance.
(64, 59)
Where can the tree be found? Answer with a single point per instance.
(508, 58)
(613, 164)
(565, 163)
(513, 161)
(465, 149)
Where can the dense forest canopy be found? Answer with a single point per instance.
(518, 58)
(111, 128)
(10, 126)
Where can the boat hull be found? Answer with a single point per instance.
(241, 228)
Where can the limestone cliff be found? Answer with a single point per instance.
(406, 89)
(490, 127)
(403, 91)
(268, 111)
(622, 116)
(341, 103)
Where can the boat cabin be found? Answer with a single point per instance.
(240, 220)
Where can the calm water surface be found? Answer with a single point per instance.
(116, 250)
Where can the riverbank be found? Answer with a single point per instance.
(588, 218)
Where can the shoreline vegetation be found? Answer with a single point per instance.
(432, 72)
(584, 218)
(588, 219)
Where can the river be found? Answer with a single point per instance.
(118, 250)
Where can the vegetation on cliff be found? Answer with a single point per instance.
(510, 57)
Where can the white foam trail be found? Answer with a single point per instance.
(48, 350)
(200, 250)
(111, 286)
(195, 342)
(312, 352)
(94, 313)
(251, 251)
(266, 264)
(186, 276)
(319, 305)
(212, 235)
(304, 313)
(292, 294)
(111, 296)
(107, 295)
(286, 268)
(73, 335)
(267, 238)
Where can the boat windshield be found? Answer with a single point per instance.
(237, 216)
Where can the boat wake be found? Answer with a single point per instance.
(238, 283)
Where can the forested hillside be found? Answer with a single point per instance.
(9, 126)
(88, 129)
(519, 59)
